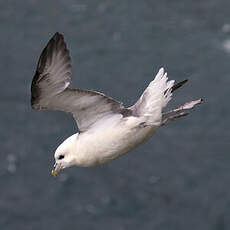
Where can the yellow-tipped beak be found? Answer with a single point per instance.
(53, 172)
(57, 168)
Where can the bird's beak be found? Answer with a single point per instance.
(57, 168)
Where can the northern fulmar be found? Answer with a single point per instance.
(107, 129)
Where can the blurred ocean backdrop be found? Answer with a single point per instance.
(180, 178)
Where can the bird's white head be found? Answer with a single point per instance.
(64, 155)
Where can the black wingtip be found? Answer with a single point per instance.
(57, 35)
(179, 84)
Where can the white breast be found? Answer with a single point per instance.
(110, 139)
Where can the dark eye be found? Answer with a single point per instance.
(61, 157)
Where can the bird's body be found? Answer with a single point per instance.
(107, 129)
(114, 137)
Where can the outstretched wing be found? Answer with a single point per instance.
(49, 89)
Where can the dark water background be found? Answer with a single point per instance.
(180, 179)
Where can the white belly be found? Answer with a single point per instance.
(111, 140)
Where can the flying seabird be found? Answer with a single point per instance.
(107, 129)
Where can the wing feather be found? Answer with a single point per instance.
(49, 88)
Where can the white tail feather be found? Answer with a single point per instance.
(155, 97)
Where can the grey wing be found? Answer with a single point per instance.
(53, 72)
(49, 88)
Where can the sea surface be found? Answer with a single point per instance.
(180, 178)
